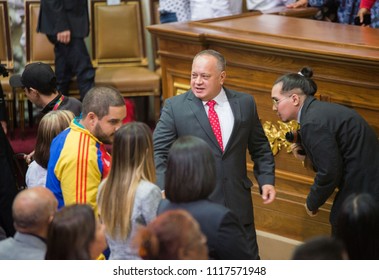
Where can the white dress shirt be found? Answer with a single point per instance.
(263, 5)
(225, 115)
(202, 9)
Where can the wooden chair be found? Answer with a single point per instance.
(118, 50)
(6, 58)
(38, 47)
(154, 16)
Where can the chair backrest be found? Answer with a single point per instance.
(6, 55)
(154, 11)
(117, 33)
(38, 47)
(154, 16)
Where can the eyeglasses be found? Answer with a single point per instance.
(276, 102)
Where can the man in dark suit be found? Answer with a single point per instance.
(241, 129)
(340, 144)
(66, 24)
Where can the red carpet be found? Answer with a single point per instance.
(25, 144)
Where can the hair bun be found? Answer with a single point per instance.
(307, 72)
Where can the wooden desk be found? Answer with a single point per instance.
(259, 48)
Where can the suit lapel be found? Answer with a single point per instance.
(236, 109)
(198, 110)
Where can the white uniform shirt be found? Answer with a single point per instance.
(202, 9)
(263, 5)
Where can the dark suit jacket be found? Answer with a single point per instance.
(185, 115)
(344, 151)
(59, 15)
(226, 239)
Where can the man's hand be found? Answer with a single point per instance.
(298, 4)
(295, 148)
(64, 37)
(268, 193)
(309, 212)
(4, 125)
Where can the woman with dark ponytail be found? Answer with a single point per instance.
(341, 145)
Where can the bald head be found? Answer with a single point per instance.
(33, 210)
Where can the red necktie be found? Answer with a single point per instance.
(215, 123)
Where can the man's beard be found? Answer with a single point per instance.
(99, 134)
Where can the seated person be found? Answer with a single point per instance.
(320, 248)
(50, 126)
(190, 179)
(358, 226)
(204, 9)
(173, 235)
(2, 234)
(75, 234)
(265, 5)
(33, 210)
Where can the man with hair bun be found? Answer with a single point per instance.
(340, 144)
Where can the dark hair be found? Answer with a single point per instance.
(221, 62)
(99, 99)
(358, 226)
(49, 88)
(301, 80)
(320, 248)
(71, 233)
(191, 170)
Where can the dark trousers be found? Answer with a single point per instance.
(166, 17)
(73, 60)
(252, 240)
(8, 187)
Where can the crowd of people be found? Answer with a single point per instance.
(329, 10)
(202, 208)
(101, 189)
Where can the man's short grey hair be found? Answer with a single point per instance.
(221, 62)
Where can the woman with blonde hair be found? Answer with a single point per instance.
(50, 126)
(128, 198)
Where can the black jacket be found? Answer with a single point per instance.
(344, 150)
(226, 238)
(59, 15)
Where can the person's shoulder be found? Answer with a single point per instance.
(72, 104)
(208, 208)
(181, 97)
(74, 100)
(238, 94)
(146, 187)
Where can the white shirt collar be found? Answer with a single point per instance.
(220, 98)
